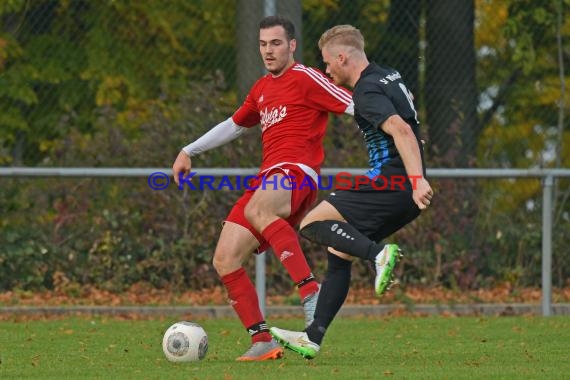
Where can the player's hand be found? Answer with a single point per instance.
(183, 165)
(422, 193)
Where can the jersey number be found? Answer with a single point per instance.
(410, 98)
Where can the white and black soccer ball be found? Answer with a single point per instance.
(185, 342)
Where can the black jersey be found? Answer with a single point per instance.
(378, 94)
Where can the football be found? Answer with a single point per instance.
(185, 342)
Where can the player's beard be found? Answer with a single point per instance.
(278, 67)
(274, 71)
(340, 79)
(277, 70)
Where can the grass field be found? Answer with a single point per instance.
(394, 347)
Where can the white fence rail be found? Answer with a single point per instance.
(547, 176)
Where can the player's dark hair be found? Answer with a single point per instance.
(271, 21)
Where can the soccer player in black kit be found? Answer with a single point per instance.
(392, 194)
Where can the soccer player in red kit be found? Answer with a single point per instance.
(291, 103)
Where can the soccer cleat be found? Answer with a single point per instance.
(385, 262)
(297, 341)
(262, 351)
(309, 307)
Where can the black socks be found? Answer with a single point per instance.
(334, 290)
(343, 237)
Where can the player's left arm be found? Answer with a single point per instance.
(409, 149)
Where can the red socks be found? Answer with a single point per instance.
(243, 299)
(285, 243)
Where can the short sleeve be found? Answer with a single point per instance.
(248, 114)
(322, 94)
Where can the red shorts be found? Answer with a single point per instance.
(302, 199)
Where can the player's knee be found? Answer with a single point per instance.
(313, 216)
(252, 213)
(224, 264)
(315, 230)
(307, 230)
(305, 222)
(218, 265)
(259, 216)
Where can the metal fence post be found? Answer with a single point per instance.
(269, 9)
(260, 280)
(547, 185)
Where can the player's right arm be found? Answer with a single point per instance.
(409, 150)
(246, 116)
(378, 109)
(221, 134)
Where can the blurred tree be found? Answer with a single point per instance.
(249, 66)
(61, 60)
(400, 45)
(522, 82)
(126, 82)
(450, 87)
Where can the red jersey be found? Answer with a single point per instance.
(293, 112)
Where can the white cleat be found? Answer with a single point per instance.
(297, 341)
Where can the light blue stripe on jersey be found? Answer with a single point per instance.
(379, 156)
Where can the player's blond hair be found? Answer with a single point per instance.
(343, 35)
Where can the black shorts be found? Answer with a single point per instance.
(375, 213)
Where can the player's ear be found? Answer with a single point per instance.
(293, 45)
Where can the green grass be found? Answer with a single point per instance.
(395, 347)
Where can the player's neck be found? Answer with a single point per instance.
(359, 66)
